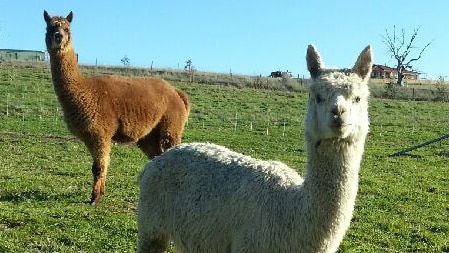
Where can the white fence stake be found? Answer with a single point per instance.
(235, 122)
(283, 130)
(7, 105)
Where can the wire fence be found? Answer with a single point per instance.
(40, 106)
(14, 112)
(37, 102)
(416, 90)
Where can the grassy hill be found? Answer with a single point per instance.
(45, 177)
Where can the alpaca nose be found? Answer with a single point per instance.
(337, 111)
(58, 37)
(337, 116)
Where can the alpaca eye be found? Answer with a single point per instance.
(319, 99)
(66, 30)
(356, 99)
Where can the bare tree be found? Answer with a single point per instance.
(189, 67)
(400, 48)
(126, 61)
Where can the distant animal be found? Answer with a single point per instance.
(280, 74)
(207, 198)
(275, 74)
(105, 109)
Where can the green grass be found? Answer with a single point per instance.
(45, 179)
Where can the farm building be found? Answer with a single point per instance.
(383, 71)
(21, 55)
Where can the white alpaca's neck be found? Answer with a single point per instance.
(330, 189)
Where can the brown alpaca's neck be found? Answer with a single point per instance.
(65, 72)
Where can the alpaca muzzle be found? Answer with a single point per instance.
(337, 121)
(58, 38)
(337, 113)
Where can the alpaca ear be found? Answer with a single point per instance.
(314, 63)
(70, 17)
(46, 16)
(364, 63)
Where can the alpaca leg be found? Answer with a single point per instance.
(170, 136)
(153, 245)
(99, 171)
(150, 144)
(169, 140)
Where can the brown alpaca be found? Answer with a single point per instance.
(100, 110)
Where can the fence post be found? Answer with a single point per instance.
(7, 105)
(235, 122)
(283, 130)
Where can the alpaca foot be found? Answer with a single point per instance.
(96, 195)
(98, 190)
(94, 200)
(152, 245)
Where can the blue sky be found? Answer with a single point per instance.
(245, 37)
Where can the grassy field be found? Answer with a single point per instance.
(45, 179)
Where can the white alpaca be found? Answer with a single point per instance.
(207, 198)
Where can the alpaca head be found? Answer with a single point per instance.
(58, 36)
(338, 99)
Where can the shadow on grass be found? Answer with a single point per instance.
(412, 155)
(406, 155)
(444, 153)
(39, 196)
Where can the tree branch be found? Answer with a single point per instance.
(391, 43)
(396, 45)
(419, 56)
(410, 44)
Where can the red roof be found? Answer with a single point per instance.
(385, 68)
